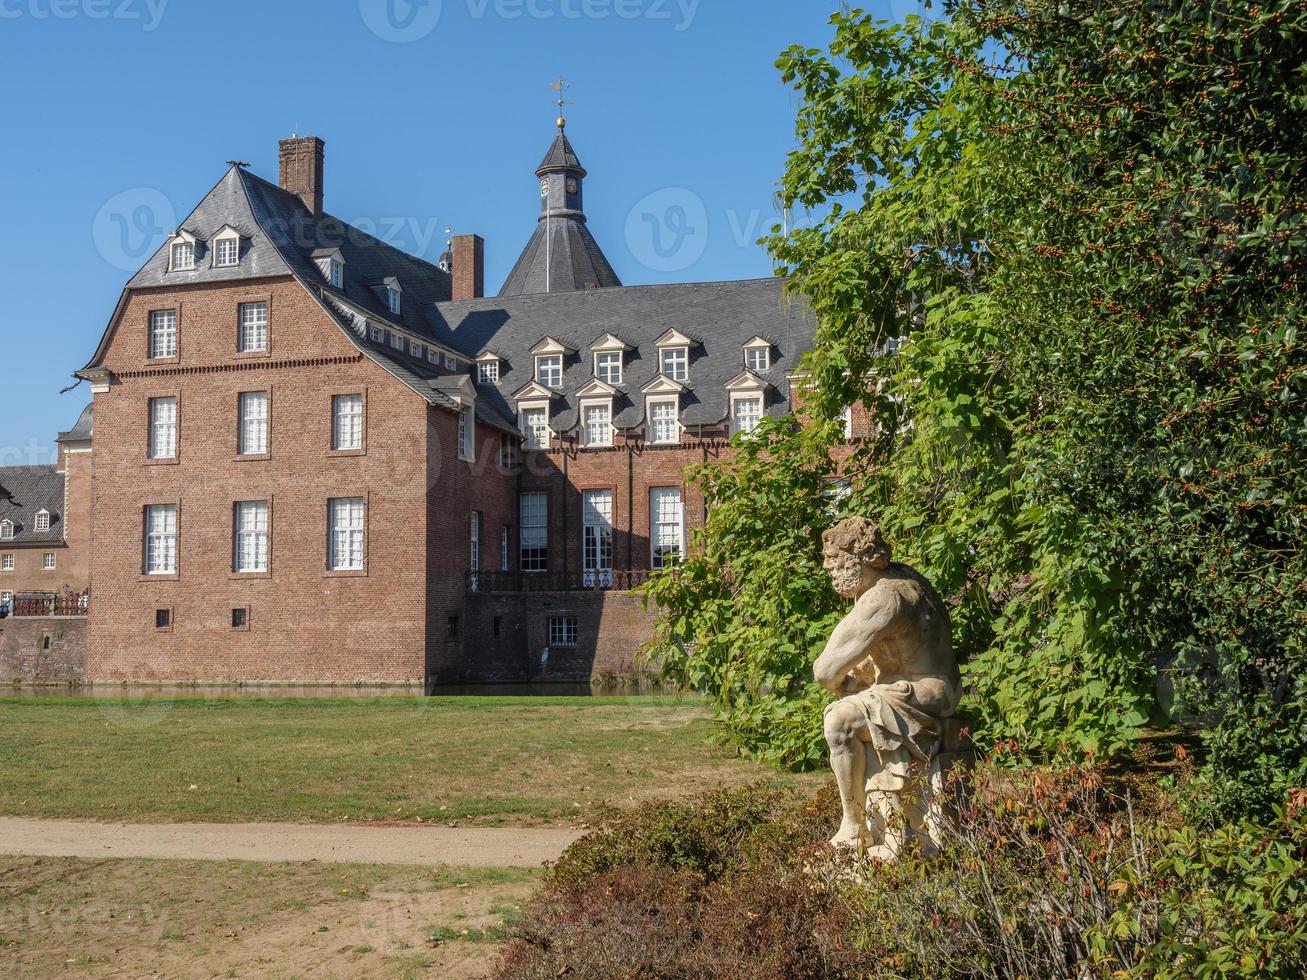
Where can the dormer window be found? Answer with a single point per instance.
(336, 273)
(450, 363)
(549, 370)
(748, 402)
(674, 355)
(433, 356)
(393, 299)
(757, 355)
(332, 266)
(597, 423)
(43, 520)
(6, 530)
(226, 252)
(608, 367)
(488, 371)
(183, 257)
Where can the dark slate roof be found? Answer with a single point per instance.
(561, 156)
(574, 261)
(83, 429)
(724, 315)
(35, 488)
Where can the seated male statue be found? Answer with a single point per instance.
(891, 660)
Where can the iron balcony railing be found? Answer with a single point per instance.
(591, 580)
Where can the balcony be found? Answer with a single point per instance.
(44, 605)
(592, 580)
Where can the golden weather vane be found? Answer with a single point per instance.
(560, 87)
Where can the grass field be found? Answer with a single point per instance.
(487, 760)
(62, 917)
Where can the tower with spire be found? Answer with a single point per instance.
(562, 255)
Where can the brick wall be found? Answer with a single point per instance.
(305, 623)
(508, 636)
(29, 573)
(42, 651)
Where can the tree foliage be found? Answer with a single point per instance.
(1088, 220)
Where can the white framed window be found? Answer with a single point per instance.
(433, 356)
(252, 536)
(549, 370)
(474, 554)
(597, 421)
(534, 422)
(253, 327)
(6, 599)
(347, 422)
(377, 334)
(393, 301)
(533, 509)
(757, 358)
(608, 367)
(161, 539)
(450, 363)
(396, 341)
(336, 273)
(664, 426)
(597, 537)
(183, 257)
(47, 561)
(43, 520)
(847, 417)
(253, 423)
(7, 532)
(163, 428)
(467, 434)
(562, 631)
(348, 521)
(507, 451)
(746, 413)
(417, 350)
(676, 363)
(488, 372)
(226, 252)
(505, 539)
(163, 333)
(6, 563)
(666, 525)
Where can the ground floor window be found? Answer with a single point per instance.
(562, 631)
(597, 536)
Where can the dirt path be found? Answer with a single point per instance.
(477, 847)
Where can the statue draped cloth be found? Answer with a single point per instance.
(901, 732)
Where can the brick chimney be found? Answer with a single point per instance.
(301, 170)
(469, 267)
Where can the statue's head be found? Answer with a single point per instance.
(854, 554)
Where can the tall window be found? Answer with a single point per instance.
(608, 367)
(183, 257)
(163, 428)
(336, 273)
(252, 536)
(549, 370)
(488, 372)
(347, 533)
(163, 333)
(505, 535)
(161, 539)
(534, 522)
(507, 451)
(254, 327)
(676, 363)
(598, 425)
(474, 557)
(535, 426)
(666, 531)
(466, 433)
(347, 422)
(746, 413)
(392, 300)
(663, 425)
(253, 423)
(227, 252)
(597, 537)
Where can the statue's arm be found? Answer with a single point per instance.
(848, 644)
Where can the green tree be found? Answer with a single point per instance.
(1088, 220)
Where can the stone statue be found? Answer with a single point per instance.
(892, 662)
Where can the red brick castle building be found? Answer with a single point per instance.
(318, 458)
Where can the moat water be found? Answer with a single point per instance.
(145, 692)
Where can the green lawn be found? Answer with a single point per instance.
(487, 760)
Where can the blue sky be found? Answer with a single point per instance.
(118, 116)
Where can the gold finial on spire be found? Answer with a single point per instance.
(560, 87)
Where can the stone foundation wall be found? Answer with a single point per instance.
(42, 651)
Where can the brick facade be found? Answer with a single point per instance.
(42, 651)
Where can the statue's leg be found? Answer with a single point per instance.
(847, 736)
(889, 807)
(932, 829)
